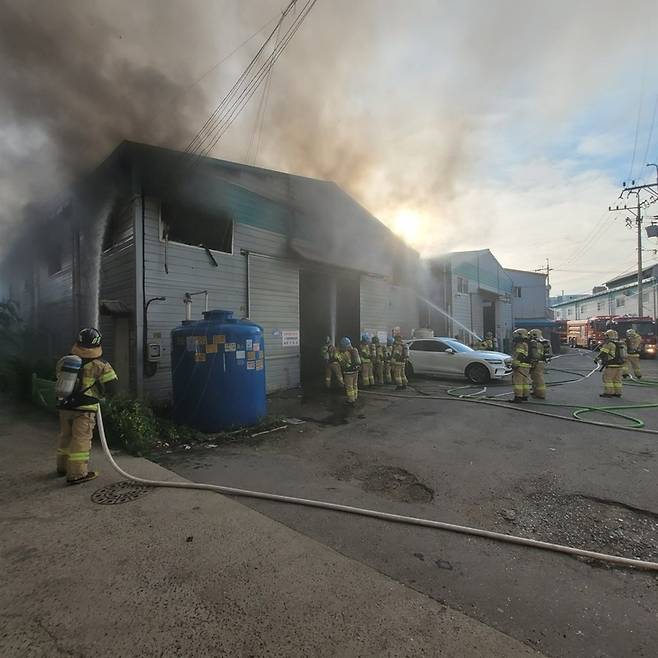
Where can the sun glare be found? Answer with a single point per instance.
(408, 225)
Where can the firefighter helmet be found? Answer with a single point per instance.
(345, 343)
(611, 334)
(365, 338)
(390, 340)
(520, 333)
(535, 333)
(375, 340)
(89, 337)
(631, 332)
(488, 335)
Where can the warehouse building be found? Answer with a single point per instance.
(475, 291)
(296, 255)
(617, 297)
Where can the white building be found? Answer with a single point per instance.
(618, 298)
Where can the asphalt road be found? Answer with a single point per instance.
(476, 465)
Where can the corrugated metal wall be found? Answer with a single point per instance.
(117, 281)
(275, 306)
(274, 294)
(384, 306)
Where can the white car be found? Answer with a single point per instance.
(447, 356)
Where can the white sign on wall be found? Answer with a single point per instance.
(290, 338)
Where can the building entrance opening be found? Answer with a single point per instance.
(329, 305)
(489, 317)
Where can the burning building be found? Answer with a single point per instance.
(151, 226)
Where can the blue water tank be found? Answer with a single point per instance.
(218, 372)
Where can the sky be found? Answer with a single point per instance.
(507, 124)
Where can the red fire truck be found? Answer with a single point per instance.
(590, 333)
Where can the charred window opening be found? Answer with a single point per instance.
(197, 228)
(54, 260)
(118, 230)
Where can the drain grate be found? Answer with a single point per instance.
(119, 492)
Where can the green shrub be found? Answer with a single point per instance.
(130, 425)
(133, 426)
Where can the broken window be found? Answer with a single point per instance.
(54, 259)
(197, 228)
(119, 229)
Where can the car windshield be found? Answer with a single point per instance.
(456, 345)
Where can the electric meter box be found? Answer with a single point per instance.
(154, 352)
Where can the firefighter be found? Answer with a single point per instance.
(539, 354)
(520, 365)
(377, 355)
(77, 411)
(331, 365)
(611, 356)
(388, 355)
(487, 343)
(365, 350)
(350, 362)
(399, 357)
(633, 349)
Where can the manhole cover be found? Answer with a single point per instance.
(119, 492)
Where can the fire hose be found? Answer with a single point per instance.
(385, 516)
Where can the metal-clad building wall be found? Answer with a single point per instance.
(190, 270)
(54, 308)
(274, 302)
(384, 306)
(117, 282)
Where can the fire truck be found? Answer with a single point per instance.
(590, 333)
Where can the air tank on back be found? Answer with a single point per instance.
(218, 372)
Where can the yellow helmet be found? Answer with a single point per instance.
(536, 334)
(612, 334)
(631, 332)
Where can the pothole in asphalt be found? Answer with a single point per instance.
(606, 526)
(390, 481)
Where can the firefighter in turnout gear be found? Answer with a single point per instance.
(399, 357)
(520, 365)
(365, 350)
(377, 355)
(388, 355)
(487, 343)
(350, 362)
(611, 356)
(90, 378)
(331, 365)
(633, 349)
(539, 354)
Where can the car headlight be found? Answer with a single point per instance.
(496, 361)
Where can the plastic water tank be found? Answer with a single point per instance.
(218, 372)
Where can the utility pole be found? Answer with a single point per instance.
(548, 269)
(651, 189)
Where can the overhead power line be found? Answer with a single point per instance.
(244, 88)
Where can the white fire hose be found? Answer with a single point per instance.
(385, 516)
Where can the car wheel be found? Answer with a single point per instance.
(476, 373)
(409, 370)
